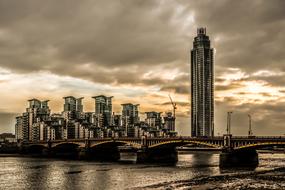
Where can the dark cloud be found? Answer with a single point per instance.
(250, 32)
(179, 84)
(63, 36)
(66, 34)
(179, 89)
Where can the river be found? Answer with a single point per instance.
(40, 173)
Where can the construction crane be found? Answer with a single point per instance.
(173, 105)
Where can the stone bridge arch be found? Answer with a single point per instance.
(68, 150)
(35, 148)
(38, 145)
(176, 143)
(78, 144)
(108, 150)
(114, 143)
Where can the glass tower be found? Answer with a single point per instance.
(202, 86)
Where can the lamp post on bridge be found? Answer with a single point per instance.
(249, 126)
(228, 136)
(229, 122)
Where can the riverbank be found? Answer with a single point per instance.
(267, 179)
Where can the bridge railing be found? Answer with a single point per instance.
(258, 137)
(167, 138)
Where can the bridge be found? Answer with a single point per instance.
(233, 148)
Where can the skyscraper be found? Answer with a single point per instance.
(202, 86)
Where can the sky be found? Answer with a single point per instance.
(139, 52)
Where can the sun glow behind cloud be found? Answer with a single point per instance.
(243, 89)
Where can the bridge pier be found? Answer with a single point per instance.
(65, 151)
(34, 151)
(103, 154)
(83, 154)
(158, 155)
(46, 152)
(238, 158)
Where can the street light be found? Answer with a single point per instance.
(229, 122)
(249, 125)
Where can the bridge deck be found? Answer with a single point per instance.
(236, 142)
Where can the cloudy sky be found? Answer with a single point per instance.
(138, 51)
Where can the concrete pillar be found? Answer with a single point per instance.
(157, 155)
(227, 140)
(21, 149)
(84, 154)
(104, 153)
(46, 152)
(66, 152)
(239, 158)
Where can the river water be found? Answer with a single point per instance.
(39, 173)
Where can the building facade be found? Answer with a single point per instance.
(72, 108)
(202, 86)
(169, 122)
(103, 109)
(130, 114)
(153, 119)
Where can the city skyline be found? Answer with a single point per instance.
(143, 56)
(39, 123)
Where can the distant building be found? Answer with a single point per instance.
(37, 124)
(202, 86)
(116, 120)
(153, 119)
(132, 130)
(37, 111)
(169, 122)
(130, 114)
(103, 109)
(19, 127)
(7, 137)
(90, 117)
(69, 103)
(25, 127)
(56, 123)
(36, 132)
(72, 108)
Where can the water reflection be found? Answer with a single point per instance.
(35, 173)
